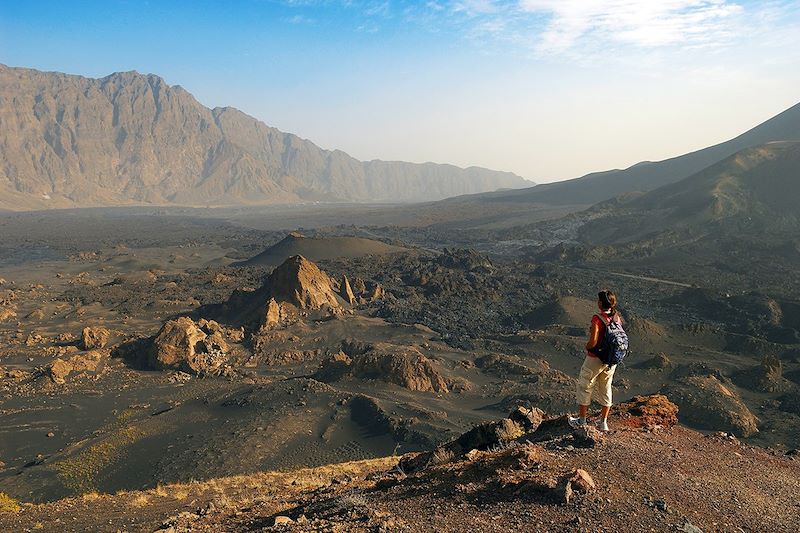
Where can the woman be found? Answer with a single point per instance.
(595, 377)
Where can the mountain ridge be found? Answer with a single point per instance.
(645, 176)
(130, 138)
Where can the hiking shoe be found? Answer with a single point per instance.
(576, 421)
(602, 425)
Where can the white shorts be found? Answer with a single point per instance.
(594, 382)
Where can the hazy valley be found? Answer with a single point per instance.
(150, 350)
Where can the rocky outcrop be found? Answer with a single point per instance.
(294, 289)
(402, 365)
(647, 412)
(182, 344)
(301, 283)
(705, 402)
(346, 291)
(94, 337)
(465, 259)
(766, 377)
(484, 436)
(7, 313)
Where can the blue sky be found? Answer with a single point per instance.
(550, 89)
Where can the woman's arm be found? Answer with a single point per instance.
(594, 335)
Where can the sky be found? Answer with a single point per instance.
(548, 89)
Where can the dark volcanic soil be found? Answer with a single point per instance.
(499, 330)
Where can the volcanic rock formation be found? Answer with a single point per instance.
(182, 344)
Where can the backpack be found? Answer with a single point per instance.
(614, 346)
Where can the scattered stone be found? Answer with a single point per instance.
(179, 377)
(588, 436)
(6, 313)
(51, 434)
(280, 520)
(33, 339)
(59, 370)
(65, 337)
(94, 337)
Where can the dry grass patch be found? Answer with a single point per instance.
(141, 500)
(9, 504)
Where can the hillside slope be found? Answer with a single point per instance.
(128, 138)
(644, 476)
(646, 176)
(746, 194)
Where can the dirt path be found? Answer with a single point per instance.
(634, 276)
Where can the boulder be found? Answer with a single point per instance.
(94, 337)
(528, 419)
(89, 361)
(59, 370)
(587, 436)
(377, 293)
(577, 482)
(182, 344)
(705, 402)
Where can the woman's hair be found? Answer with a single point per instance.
(608, 301)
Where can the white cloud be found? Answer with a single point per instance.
(644, 23)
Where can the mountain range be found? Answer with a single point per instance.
(128, 138)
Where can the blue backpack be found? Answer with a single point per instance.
(614, 346)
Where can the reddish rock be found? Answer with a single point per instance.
(647, 411)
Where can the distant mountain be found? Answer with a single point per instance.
(753, 194)
(646, 176)
(128, 138)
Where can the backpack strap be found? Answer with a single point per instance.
(605, 320)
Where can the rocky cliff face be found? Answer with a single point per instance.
(128, 138)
